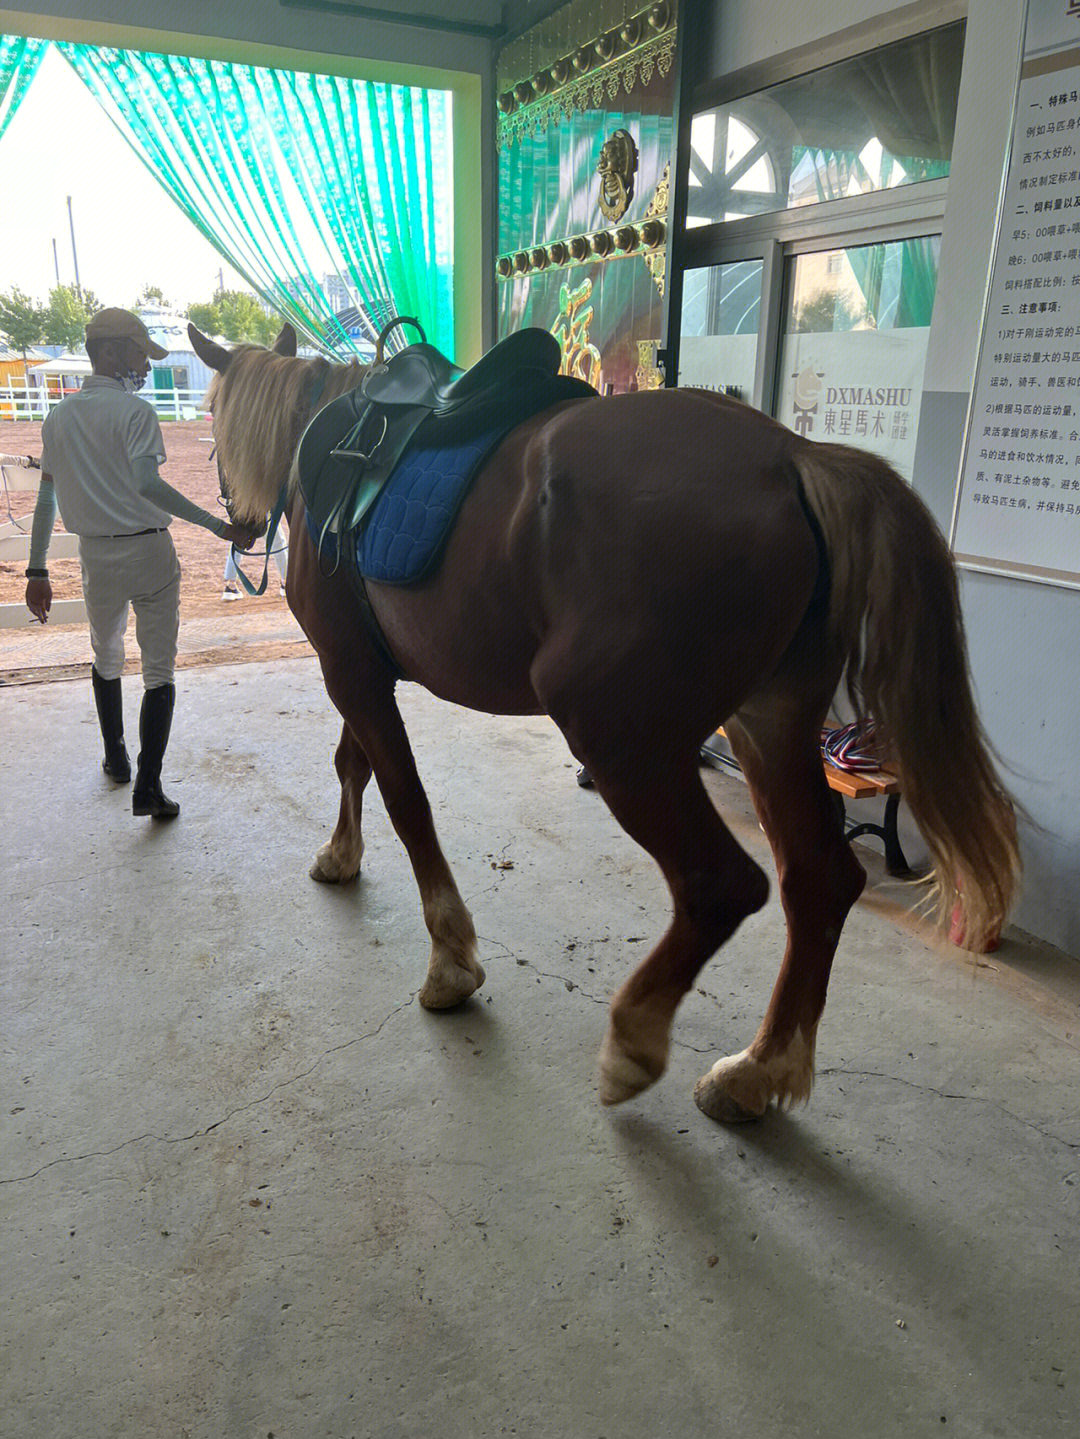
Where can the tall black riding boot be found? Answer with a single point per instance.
(154, 722)
(110, 712)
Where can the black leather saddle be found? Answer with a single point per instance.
(351, 446)
(421, 375)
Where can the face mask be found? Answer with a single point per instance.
(132, 381)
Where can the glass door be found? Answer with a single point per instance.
(856, 321)
(721, 319)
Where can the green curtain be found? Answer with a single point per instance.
(291, 176)
(906, 293)
(835, 169)
(898, 280)
(19, 58)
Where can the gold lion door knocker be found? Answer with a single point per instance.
(616, 167)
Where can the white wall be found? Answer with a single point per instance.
(983, 123)
(1024, 638)
(740, 33)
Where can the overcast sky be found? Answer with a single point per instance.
(128, 232)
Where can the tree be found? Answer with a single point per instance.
(236, 316)
(66, 317)
(830, 311)
(205, 317)
(22, 320)
(152, 295)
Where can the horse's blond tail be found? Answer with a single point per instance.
(895, 615)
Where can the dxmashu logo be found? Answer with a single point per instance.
(806, 396)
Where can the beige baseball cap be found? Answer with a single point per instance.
(123, 325)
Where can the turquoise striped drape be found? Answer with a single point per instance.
(19, 58)
(291, 176)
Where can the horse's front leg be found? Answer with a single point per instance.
(339, 859)
(454, 972)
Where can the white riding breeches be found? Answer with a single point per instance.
(141, 571)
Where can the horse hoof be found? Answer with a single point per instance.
(328, 870)
(451, 986)
(620, 1076)
(742, 1087)
(717, 1104)
(735, 1090)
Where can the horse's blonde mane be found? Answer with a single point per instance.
(261, 404)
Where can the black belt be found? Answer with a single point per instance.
(134, 534)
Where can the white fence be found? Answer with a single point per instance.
(18, 472)
(35, 402)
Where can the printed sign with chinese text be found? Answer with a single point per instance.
(1018, 505)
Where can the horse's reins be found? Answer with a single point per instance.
(275, 514)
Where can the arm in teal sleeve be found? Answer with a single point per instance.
(153, 488)
(44, 519)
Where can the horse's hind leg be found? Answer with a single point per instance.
(820, 879)
(372, 715)
(714, 885)
(339, 858)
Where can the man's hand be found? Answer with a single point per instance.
(242, 536)
(39, 599)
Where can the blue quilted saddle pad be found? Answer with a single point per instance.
(410, 521)
(404, 532)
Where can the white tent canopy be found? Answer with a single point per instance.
(62, 365)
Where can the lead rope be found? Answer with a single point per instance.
(275, 515)
(271, 530)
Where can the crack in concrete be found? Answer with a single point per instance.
(568, 983)
(944, 1094)
(240, 1108)
(495, 886)
(573, 986)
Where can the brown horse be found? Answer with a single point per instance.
(643, 568)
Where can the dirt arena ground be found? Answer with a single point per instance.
(202, 555)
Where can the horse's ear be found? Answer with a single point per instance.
(285, 344)
(216, 356)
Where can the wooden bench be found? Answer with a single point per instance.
(846, 786)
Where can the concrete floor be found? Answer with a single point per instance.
(250, 1188)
